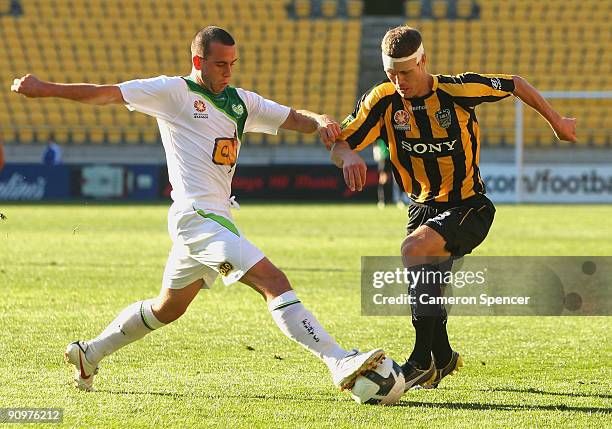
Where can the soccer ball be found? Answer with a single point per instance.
(383, 385)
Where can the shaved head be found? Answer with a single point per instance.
(200, 46)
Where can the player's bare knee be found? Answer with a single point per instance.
(167, 311)
(413, 246)
(272, 284)
(417, 250)
(276, 284)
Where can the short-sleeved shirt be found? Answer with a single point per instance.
(433, 141)
(202, 132)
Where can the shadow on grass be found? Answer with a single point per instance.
(326, 399)
(502, 407)
(204, 396)
(543, 392)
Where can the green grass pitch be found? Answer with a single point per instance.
(67, 270)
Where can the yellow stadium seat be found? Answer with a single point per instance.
(60, 135)
(311, 139)
(96, 135)
(78, 136)
(291, 138)
(132, 136)
(601, 139)
(413, 8)
(464, 8)
(25, 135)
(329, 8)
(150, 136)
(254, 138)
(439, 8)
(302, 8)
(7, 134)
(114, 136)
(354, 8)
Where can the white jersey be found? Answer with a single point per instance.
(202, 133)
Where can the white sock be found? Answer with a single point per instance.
(133, 323)
(300, 325)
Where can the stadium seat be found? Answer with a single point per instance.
(302, 8)
(329, 8)
(114, 136)
(413, 8)
(7, 134)
(25, 135)
(151, 136)
(96, 136)
(439, 9)
(464, 8)
(354, 8)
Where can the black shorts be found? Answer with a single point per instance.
(464, 226)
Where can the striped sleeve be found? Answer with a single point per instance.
(362, 127)
(471, 89)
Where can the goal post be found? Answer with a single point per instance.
(519, 128)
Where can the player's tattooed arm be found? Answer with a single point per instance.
(564, 128)
(31, 86)
(307, 122)
(353, 166)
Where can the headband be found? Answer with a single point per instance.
(389, 62)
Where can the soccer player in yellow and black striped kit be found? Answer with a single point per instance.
(429, 125)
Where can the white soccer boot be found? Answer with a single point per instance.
(84, 371)
(353, 365)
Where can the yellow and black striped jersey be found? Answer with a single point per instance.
(433, 141)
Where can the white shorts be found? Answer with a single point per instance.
(204, 246)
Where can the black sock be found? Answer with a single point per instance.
(424, 327)
(424, 314)
(440, 345)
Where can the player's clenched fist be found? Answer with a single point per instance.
(354, 171)
(29, 85)
(565, 129)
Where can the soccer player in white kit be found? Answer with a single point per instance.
(202, 121)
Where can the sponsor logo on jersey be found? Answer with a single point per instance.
(421, 107)
(225, 268)
(225, 151)
(238, 109)
(402, 119)
(200, 108)
(347, 120)
(444, 118)
(421, 148)
(495, 83)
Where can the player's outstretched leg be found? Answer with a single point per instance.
(299, 324)
(132, 324)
